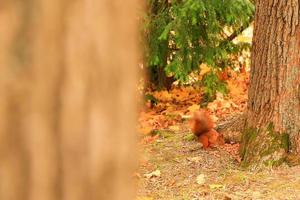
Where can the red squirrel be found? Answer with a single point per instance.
(203, 127)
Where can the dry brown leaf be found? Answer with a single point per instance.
(155, 173)
(163, 95)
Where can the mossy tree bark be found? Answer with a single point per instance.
(273, 117)
(67, 86)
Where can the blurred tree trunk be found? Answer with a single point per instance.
(159, 78)
(67, 106)
(273, 118)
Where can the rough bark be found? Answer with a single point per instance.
(232, 127)
(67, 106)
(273, 105)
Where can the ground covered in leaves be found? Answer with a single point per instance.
(174, 166)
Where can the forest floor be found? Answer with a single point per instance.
(174, 166)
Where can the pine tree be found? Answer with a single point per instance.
(180, 35)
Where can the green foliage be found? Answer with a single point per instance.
(151, 98)
(212, 84)
(181, 34)
(156, 23)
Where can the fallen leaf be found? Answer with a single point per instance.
(186, 117)
(195, 159)
(193, 108)
(163, 96)
(204, 69)
(145, 130)
(174, 128)
(156, 173)
(200, 179)
(216, 186)
(149, 139)
(256, 195)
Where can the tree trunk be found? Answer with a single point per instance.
(159, 78)
(273, 117)
(67, 106)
